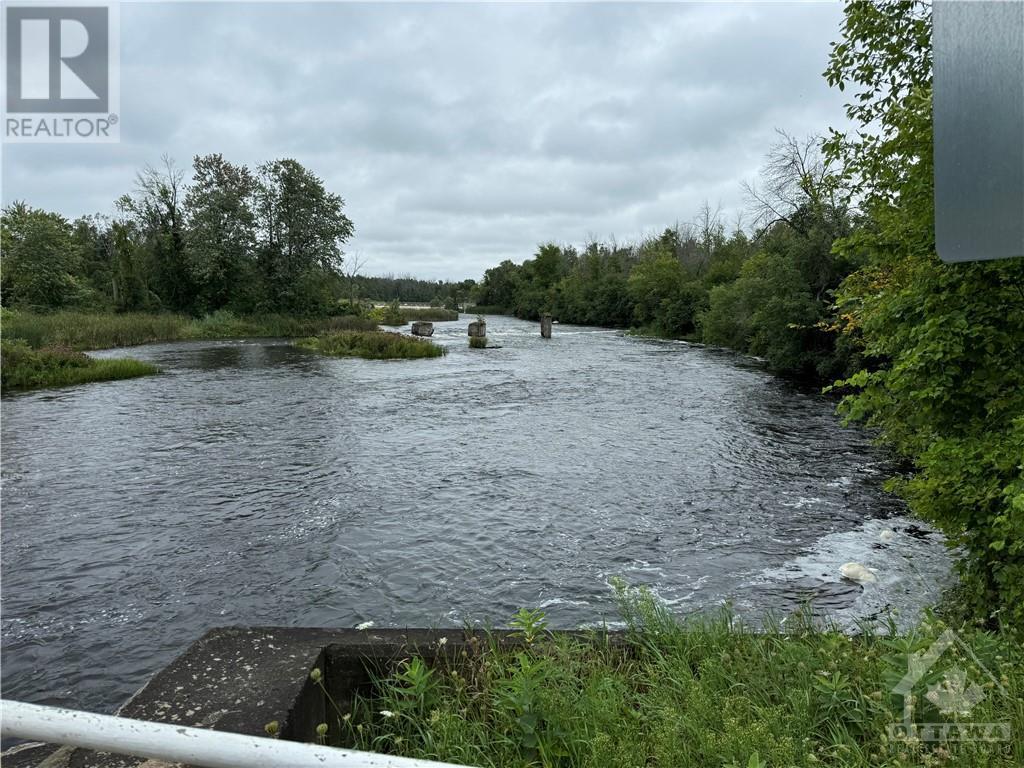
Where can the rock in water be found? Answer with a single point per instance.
(422, 328)
(856, 572)
(478, 329)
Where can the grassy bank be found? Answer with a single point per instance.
(430, 314)
(372, 345)
(703, 693)
(395, 314)
(22, 367)
(79, 330)
(485, 309)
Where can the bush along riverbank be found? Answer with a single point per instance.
(704, 692)
(22, 367)
(372, 345)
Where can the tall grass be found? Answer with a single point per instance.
(395, 314)
(372, 345)
(701, 693)
(22, 367)
(433, 314)
(222, 325)
(79, 330)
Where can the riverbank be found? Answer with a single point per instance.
(88, 331)
(22, 367)
(45, 350)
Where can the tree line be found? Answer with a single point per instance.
(768, 293)
(227, 237)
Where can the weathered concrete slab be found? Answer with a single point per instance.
(239, 679)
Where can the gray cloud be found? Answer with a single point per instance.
(461, 135)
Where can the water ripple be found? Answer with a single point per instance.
(256, 483)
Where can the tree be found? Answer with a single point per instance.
(92, 241)
(350, 270)
(301, 228)
(156, 211)
(944, 343)
(220, 238)
(39, 258)
(499, 286)
(801, 188)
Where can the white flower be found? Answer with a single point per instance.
(364, 625)
(386, 713)
(442, 641)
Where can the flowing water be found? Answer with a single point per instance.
(257, 483)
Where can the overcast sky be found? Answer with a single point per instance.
(461, 135)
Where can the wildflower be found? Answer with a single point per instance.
(386, 713)
(364, 625)
(271, 728)
(321, 730)
(347, 716)
(315, 675)
(442, 641)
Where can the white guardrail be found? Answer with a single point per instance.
(179, 744)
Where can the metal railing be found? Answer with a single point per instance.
(181, 744)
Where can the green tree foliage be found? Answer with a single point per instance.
(40, 259)
(225, 238)
(155, 212)
(943, 343)
(221, 238)
(300, 228)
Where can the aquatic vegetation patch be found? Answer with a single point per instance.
(372, 345)
(22, 367)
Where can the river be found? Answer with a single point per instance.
(256, 483)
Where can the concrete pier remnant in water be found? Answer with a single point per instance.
(478, 334)
(545, 326)
(422, 328)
